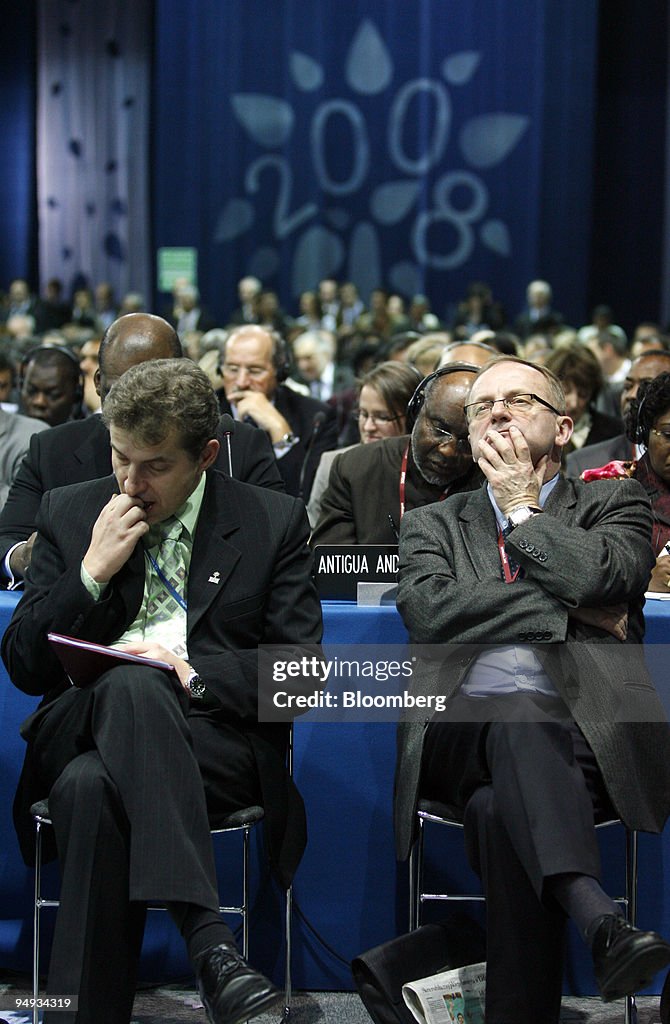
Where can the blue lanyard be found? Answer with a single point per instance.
(165, 581)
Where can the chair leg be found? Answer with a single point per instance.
(245, 893)
(416, 879)
(36, 919)
(630, 1007)
(288, 927)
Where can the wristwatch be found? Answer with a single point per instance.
(285, 442)
(522, 514)
(196, 685)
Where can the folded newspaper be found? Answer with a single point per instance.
(452, 997)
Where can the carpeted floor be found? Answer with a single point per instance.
(178, 1005)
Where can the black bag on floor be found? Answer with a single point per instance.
(381, 973)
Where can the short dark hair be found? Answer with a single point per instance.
(653, 399)
(53, 355)
(155, 397)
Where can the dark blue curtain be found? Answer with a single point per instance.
(18, 218)
(419, 146)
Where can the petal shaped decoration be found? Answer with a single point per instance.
(365, 266)
(460, 67)
(236, 217)
(264, 263)
(305, 71)
(75, 147)
(391, 201)
(266, 119)
(486, 140)
(495, 236)
(318, 254)
(113, 246)
(406, 279)
(369, 66)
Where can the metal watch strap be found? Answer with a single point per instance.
(196, 685)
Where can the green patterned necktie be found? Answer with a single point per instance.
(169, 559)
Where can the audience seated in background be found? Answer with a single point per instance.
(88, 364)
(248, 290)
(425, 353)
(371, 485)
(645, 367)
(579, 372)
(648, 336)
(475, 352)
(382, 397)
(314, 356)
(50, 385)
(539, 314)
(300, 428)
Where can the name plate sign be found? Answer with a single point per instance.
(339, 568)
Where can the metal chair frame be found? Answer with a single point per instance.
(244, 822)
(431, 812)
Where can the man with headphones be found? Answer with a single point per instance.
(300, 428)
(371, 486)
(51, 386)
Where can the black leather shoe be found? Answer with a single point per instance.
(231, 991)
(625, 959)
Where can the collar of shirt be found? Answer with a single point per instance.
(545, 491)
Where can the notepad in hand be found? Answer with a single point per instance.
(84, 662)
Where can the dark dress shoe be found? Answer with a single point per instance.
(231, 991)
(625, 959)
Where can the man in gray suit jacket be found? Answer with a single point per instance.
(539, 741)
(173, 561)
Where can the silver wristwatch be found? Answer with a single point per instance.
(196, 685)
(522, 515)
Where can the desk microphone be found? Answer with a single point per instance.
(317, 423)
(228, 429)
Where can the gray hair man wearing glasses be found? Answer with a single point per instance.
(533, 586)
(372, 485)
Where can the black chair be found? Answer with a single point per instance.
(436, 813)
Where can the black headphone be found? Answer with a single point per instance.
(280, 357)
(416, 402)
(640, 433)
(78, 400)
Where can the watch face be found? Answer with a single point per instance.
(196, 686)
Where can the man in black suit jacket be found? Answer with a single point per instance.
(137, 764)
(80, 450)
(300, 428)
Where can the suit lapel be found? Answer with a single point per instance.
(478, 528)
(214, 557)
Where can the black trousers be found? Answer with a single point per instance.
(132, 772)
(529, 790)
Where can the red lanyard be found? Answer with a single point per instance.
(509, 577)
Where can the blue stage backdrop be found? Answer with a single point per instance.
(416, 145)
